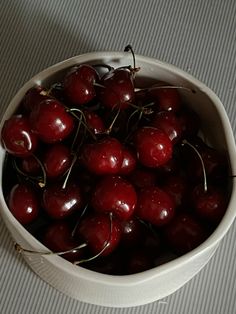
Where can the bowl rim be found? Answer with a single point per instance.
(211, 241)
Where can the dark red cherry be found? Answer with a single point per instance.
(190, 122)
(215, 164)
(155, 206)
(23, 203)
(170, 124)
(168, 99)
(62, 202)
(141, 97)
(79, 84)
(132, 231)
(30, 165)
(34, 96)
(184, 233)
(112, 264)
(94, 122)
(171, 167)
(154, 148)
(118, 88)
(129, 162)
(177, 187)
(114, 194)
(138, 261)
(211, 204)
(57, 160)
(17, 137)
(58, 238)
(50, 121)
(142, 178)
(101, 232)
(103, 157)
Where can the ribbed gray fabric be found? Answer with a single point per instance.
(197, 36)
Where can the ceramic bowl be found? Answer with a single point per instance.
(154, 284)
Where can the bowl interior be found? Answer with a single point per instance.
(203, 101)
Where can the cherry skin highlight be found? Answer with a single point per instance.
(23, 203)
(61, 202)
(50, 121)
(17, 137)
(155, 206)
(101, 233)
(154, 148)
(115, 194)
(79, 84)
(103, 157)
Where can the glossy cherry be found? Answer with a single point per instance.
(103, 157)
(211, 204)
(94, 122)
(101, 232)
(118, 88)
(114, 194)
(132, 232)
(155, 206)
(129, 162)
(23, 203)
(79, 84)
(50, 121)
(58, 238)
(17, 137)
(214, 161)
(57, 160)
(61, 202)
(34, 96)
(167, 99)
(154, 148)
(170, 124)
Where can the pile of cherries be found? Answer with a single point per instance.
(109, 176)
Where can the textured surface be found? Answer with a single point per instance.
(197, 36)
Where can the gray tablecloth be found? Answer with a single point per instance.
(197, 36)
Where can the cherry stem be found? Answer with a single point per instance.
(185, 142)
(20, 249)
(71, 110)
(108, 131)
(78, 221)
(129, 48)
(41, 183)
(69, 172)
(107, 243)
(149, 226)
(142, 110)
(77, 133)
(98, 85)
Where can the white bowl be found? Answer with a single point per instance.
(154, 284)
